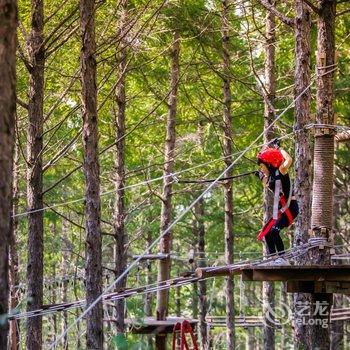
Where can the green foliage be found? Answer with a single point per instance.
(199, 137)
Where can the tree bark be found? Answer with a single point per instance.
(269, 116)
(284, 301)
(149, 296)
(35, 174)
(8, 42)
(93, 267)
(13, 255)
(228, 194)
(119, 206)
(202, 285)
(303, 182)
(52, 291)
(165, 220)
(322, 201)
(250, 344)
(337, 327)
(65, 272)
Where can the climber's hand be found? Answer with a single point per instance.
(259, 174)
(276, 142)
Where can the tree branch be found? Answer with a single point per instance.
(59, 26)
(312, 6)
(22, 103)
(342, 13)
(65, 217)
(68, 36)
(286, 20)
(62, 152)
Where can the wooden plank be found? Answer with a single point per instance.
(297, 273)
(150, 325)
(300, 287)
(205, 272)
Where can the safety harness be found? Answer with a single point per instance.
(279, 201)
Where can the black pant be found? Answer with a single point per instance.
(273, 239)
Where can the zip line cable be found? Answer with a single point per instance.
(212, 180)
(188, 209)
(73, 201)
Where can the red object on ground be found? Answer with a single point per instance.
(185, 328)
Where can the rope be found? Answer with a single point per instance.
(212, 180)
(73, 201)
(324, 157)
(97, 300)
(111, 286)
(174, 282)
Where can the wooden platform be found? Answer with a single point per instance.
(305, 279)
(302, 279)
(149, 325)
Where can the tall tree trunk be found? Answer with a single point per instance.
(269, 116)
(65, 272)
(228, 195)
(337, 327)
(178, 299)
(13, 255)
(119, 206)
(322, 201)
(93, 267)
(149, 296)
(303, 184)
(8, 42)
(165, 220)
(53, 299)
(202, 285)
(284, 301)
(35, 174)
(250, 344)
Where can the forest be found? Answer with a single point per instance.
(131, 183)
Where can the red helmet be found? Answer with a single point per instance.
(271, 156)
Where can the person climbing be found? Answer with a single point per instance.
(274, 164)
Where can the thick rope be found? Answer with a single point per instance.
(322, 201)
